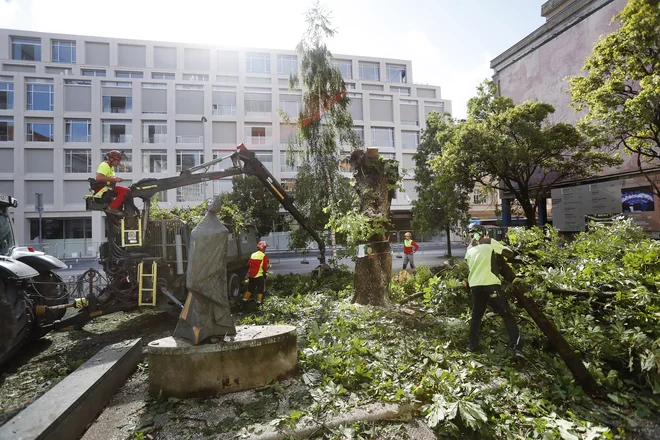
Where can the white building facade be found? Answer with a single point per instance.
(65, 100)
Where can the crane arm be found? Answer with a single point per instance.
(243, 162)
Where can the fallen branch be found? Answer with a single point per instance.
(568, 354)
(412, 297)
(370, 413)
(582, 293)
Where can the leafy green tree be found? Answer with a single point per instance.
(252, 198)
(324, 125)
(621, 88)
(442, 202)
(516, 149)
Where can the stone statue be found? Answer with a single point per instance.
(206, 312)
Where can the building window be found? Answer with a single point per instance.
(190, 193)
(189, 87)
(287, 64)
(26, 49)
(258, 135)
(257, 63)
(61, 229)
(126, 165)
(401, 91)
(40, 94)
(258, 102)
(117, 132)
(291, 108)
(6, 129)
(154, 132)
(6, 93)
(128, 74)
(346, 68)
(93, 72)
(117, 104)
(290, 161)
(154, 85)
(78, 161)
(154, 161)
(78, 130)
(409, 140)
(187, 159)
(224, 110)
(64, 52)
(370, 71)
(195, 77)
(162, 75)
(382, 137)
(480, 197)
(396, 74)
(39, 132)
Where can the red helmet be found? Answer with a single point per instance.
(262, 245)
(115, 155)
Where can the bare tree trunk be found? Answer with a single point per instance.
(333, 242)
(373, 272)
(448, 233)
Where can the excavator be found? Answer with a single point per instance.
(142, 263)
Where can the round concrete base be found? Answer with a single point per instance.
(254, 357)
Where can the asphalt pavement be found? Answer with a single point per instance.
(283, 262)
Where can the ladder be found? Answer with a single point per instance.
(150, 286)
(131, 237)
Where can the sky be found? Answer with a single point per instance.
(449, 42)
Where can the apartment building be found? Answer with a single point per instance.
(65, 100)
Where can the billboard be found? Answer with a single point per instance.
(633, 197)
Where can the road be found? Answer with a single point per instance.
(430, 254)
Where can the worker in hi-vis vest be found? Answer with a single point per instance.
(486, 287)
(258, 266)
(409, 249)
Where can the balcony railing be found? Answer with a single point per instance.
(118, 139)
(259, 140)
(414, 123)
(117, 109)
(189, 139)
(87, 138)
(6, 138)
(224, 110)
(155, 139)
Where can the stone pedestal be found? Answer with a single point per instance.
(252, 358)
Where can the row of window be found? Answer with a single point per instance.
(155, 132)
(29, 49)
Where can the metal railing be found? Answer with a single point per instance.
(189, 139)
(224, 110)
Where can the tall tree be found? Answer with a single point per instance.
(324, 124)
(442, 202)
(514, 148)
(621, 88)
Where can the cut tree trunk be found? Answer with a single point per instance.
(373, 272)
(567, 353)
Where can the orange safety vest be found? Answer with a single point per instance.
(257, 263)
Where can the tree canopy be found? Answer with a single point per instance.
(324, 126)
(441, 201)
(621, 88)
(513, 147)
